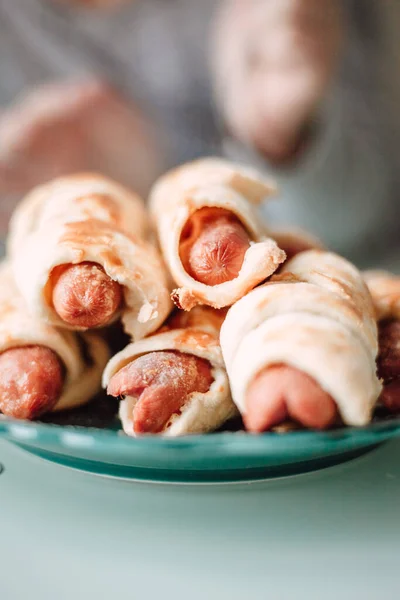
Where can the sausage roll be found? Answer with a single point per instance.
(303, 346)
(42, 368)
(294, 240)
(174, 382)
(212, 238)
(385, 291)
(78, 198)
(80, 258)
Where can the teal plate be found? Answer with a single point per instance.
(213, 458)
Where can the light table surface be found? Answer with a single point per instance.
(330, 535)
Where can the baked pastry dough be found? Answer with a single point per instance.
(316, 316)
(84, 356)
(193, 333)
(213, 182)
(88, 218)
(385, 291)
(294, 240)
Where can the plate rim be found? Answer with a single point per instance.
(237, 443)
(151, 477)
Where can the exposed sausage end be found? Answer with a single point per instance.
(31, 381)
(280, 392)
(161, 382)
(85, 296)
(213, 246)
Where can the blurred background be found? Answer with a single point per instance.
(306, 90)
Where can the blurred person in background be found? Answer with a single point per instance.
(307, 90)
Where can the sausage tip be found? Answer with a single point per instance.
(85, 296)
(31, 381)
(213, 246)
(281, 391)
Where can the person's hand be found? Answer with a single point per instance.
(273, 61)
(63, 128)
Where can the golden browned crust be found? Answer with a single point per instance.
(385, 291)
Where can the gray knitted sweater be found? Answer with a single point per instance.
(345, 188)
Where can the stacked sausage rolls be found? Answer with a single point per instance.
(304, 346)
(212, 238)
(385, 291)
(81, 259)
(299, 335)
(42, 368)
(173, 382)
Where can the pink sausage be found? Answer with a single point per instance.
(161, 381)
(85, 296)
(390, 396)
(389, 350)
(389, 364)
(31, 381)
(213, 246)
(282, 392)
